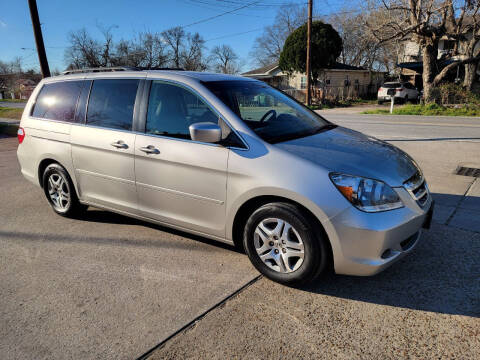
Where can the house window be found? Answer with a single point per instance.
(327, 81)
(303, 82)
(356, 82)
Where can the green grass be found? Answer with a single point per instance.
(13, 100)
(429, 110)
(10, 113)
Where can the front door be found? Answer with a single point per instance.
(103, 149)
(179, 181)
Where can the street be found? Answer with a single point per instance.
(12, 104)
(106, 286)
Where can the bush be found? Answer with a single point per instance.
(448, 94)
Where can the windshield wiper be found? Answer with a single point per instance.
(293, 136)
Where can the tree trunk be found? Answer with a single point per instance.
(429, 52)
(470, 73)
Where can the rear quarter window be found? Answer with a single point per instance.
(57, 101)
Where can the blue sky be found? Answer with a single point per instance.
(58, 18)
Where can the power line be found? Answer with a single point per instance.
(219, 15)
(235, 34)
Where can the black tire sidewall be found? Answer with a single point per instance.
(314, 261)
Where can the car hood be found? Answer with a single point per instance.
(351, 152)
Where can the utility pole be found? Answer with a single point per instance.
(309, 43)
(37, 32)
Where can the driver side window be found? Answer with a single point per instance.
(172, 109)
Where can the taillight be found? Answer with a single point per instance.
(20, 135)
(379, 89)
(399, 89)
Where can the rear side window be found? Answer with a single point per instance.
(57, 101)
(111, 103)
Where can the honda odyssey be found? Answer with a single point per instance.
(228, 158)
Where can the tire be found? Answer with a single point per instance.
(285, 242)
(60, 192)
(379, 102)
(405, 99)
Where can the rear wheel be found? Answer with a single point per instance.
(284, 244)
(60, 192)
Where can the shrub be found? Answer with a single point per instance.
(448, 94)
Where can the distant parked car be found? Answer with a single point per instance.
(403, 92)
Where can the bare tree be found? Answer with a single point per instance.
(174, 38)
(107, 46)
(192, 54)
(144, 50)
(471, 44)
(360, 48)
(268, 46)
(84, 51)
(425, 22)
(225, 60)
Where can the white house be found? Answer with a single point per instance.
(342, 81)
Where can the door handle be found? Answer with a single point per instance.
(150, 149)
(119, 144)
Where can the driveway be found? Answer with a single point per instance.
(425, 306)
(101, 287)
(106, 286)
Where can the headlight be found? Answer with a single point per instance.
(367, 194)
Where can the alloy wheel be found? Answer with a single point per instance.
(279, 245)
(58, 191)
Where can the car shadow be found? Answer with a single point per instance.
(442, 274)
(95, 215)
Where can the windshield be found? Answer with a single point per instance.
(270, 113)
(391, 85)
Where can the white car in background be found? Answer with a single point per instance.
(403, 92)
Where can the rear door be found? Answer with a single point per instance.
(103, 147)
(180, 181)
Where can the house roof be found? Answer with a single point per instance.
(267, 70)
(263, 70)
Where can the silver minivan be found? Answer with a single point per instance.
(228, 158)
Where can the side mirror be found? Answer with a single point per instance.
(207, 132)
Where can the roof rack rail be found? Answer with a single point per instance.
(158, 68)
(100, 69)
(117, 68)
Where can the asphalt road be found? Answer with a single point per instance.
(12, 104)
(103, 287)
(106, 286)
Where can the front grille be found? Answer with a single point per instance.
(417, 187)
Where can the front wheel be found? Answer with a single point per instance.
(284, 244)
(60, 192)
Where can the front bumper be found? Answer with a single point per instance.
(370, 242)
